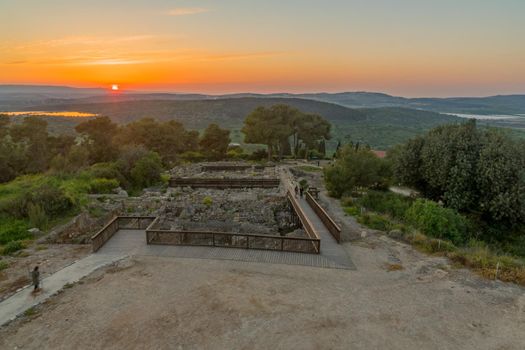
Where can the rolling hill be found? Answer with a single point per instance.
(379, 127)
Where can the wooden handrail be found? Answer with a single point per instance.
(330, 224)
(308, 226)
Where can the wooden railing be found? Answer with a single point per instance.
(330, 224)
(233, 240)
(224, 183)
(230, 167)
(307, 225)
(118, 223)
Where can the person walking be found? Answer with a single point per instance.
(35, 276)
(301, 190)
(296, 190)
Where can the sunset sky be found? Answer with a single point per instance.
(401, 47)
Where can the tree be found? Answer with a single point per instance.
(356, 169)
(33, 133)
(472, 170)
(147, 170)
(309, 129)
(214, 142)
(169, 139)
(259, 129)
(99, 132)
(275, 126)
(4, 126)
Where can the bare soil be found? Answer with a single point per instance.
(49, 257)
(170, 303)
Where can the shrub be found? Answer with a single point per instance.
(52, 199)
(354, 170)
(37, 216)
(147, 170)
(105, 171)
(103, 185)
(13, 247)
(260, 154)
(12, 229)
(207, 201)
(436, 221)
(376, 222)
(386, 203)
(192, 156)
(3, 265)
(353, 211)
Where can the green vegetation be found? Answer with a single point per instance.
(207, 201)
(12, 247)
(473, 180)
(354, 170)
(434, 230)
(32, 311)
(276, 126)
(478, 172)
(214, 142)
(3, 265)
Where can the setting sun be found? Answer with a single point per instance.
(114, 87)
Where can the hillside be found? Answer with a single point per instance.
(379, 127)
(13, 97)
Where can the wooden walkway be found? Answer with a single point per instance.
(133, 242)
(333, 255)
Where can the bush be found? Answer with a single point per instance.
(52, 199)
(37, 216)
(147, 170)
(386, 203)
(376, 222)
(258, 155)
(207, 201)
(192, 157)
(436, 221)
(12, 229)
(12, 247)
(353, 211)
(103, 185)
(354, 170)
(3, 265)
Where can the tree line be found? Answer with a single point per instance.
(28, 148)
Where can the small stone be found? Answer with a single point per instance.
(35, 231)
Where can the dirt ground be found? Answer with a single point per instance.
(396, 299)
(49, 257)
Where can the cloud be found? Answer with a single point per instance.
(184, 11)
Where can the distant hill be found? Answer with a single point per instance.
(20, 96)
(379, 127)
(378, 119)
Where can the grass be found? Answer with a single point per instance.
(485, 260)
(3, 265)
(32, 311)
(44, 200)
(13, 247)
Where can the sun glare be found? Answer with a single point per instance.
(114, 87)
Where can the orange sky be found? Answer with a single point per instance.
(412, 48)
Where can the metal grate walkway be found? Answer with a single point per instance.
(133, 242)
